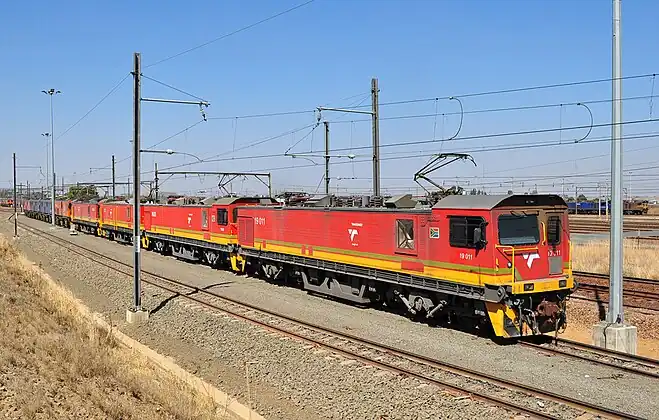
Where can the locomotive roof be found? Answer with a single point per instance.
(234, 200)
(489, 202)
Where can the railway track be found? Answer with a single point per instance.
(506, 393)
(638, 292)
(627, 362)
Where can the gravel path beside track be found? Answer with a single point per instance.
(289, 381)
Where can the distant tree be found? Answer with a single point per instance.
(510, 192)
(82, 192)
(582, 197)
(473, 191)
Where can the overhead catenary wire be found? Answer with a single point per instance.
(402, 156)
(242, 29)
(468, 95)
(464, 112)
(515, 90)
(501, 134)
(107, 95)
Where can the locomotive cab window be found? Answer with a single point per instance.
(204, 218)
(405, 234)
(554, 230)
(222, 217)
(461, 231)
(518, 229)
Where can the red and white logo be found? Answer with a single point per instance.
(530, 258)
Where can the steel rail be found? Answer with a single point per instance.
(553, 349)
(627, 279)
(569, 401)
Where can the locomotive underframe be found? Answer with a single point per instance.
(422, 297)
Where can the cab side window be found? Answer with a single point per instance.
(222, 217)
(461, 231)
(554, 230)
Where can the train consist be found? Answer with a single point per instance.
(593, 207)
(499, 262)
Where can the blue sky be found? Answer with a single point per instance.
(326, 53)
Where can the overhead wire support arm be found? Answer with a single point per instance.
(227, 177)
(354, 111)
(176, 101)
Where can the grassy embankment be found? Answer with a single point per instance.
(56, 364)
(639, 260)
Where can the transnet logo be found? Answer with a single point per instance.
(530, 258)
(353, 232)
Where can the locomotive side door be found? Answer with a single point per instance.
(146, 218)
(246, 230)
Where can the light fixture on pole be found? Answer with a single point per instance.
(52, 92)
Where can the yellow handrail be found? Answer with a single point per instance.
(544, 233)
(512, 258)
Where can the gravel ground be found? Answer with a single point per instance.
(306, 384)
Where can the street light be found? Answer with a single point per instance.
(170, 152)
(52, 92)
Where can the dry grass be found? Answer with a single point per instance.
(54, 364)
(639, 260)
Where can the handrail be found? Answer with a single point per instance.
(544, 233)
(512, 248)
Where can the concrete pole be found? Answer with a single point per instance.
(616, 313)
(613, 333)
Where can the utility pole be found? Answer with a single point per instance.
(616, 313)
(327, 158)
(136, 313)
(614, 333)
(15, 213)
(155, 182)
(376, 131)
(376, 137)
(114, 192)
(576, 199)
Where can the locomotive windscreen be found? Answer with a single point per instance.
(518, 229)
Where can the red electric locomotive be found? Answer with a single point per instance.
(85, 216)
(502, 258)
(197, 232)
(116, 221)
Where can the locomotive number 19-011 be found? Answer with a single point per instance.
(466, 256)
(259, 221)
